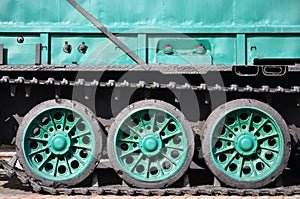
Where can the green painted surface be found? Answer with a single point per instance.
(247, 144)
(230, 27)
(100, 50)
(240, 49)
(150, 145)
(272, 46)
(19, 53)
(58, 144)
(131, 14)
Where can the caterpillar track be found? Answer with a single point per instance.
(20, 81)
(125, 190)
(163, 86)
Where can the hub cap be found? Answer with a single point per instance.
(150, 145)
(247, 144)
(59, 143)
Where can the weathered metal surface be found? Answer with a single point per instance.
(245, 31)
(192, 16)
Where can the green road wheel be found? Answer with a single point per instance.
(150, 144)
(246, 143)
(59, 143)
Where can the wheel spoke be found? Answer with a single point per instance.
(225, 139)
(168, 159)
(147, 168)
(80, 135)
(129, 152)
(174, 147)
(261, 125)
(230, 129)
(242, 165)
(266, 137)
(44, 161)
(238, 120)
(40, 126)
(82, 147)
(153, 121)
(67, 163)
(253, 168)
(159, 167)
(78, 158)
(171, 135)
(263, 160)
(134, 131)
(56, 165)
(37, 139)
(129, 141)
(249, 122)
(136, 163)
(230, 160)
(38, 151)
(53, 123)
(269, 149)
(141, 119)
(64, 119)
(224, 150)
(74, 124)
(165, 125)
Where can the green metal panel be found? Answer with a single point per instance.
(142, 46)
(185, 16)
(19, 53)
(220, 47)
(271, 46)
(99, 50)
(240, 49)
(231, 27)
(183, 51)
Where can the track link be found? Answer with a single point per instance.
(154, 85)
(123, 190)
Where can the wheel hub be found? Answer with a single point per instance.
(246, 144)
(150, 144)
(59, 143)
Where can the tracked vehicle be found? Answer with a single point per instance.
(149, 88)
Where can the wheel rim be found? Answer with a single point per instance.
(58, 144)
(247, 144)
(150, 145)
